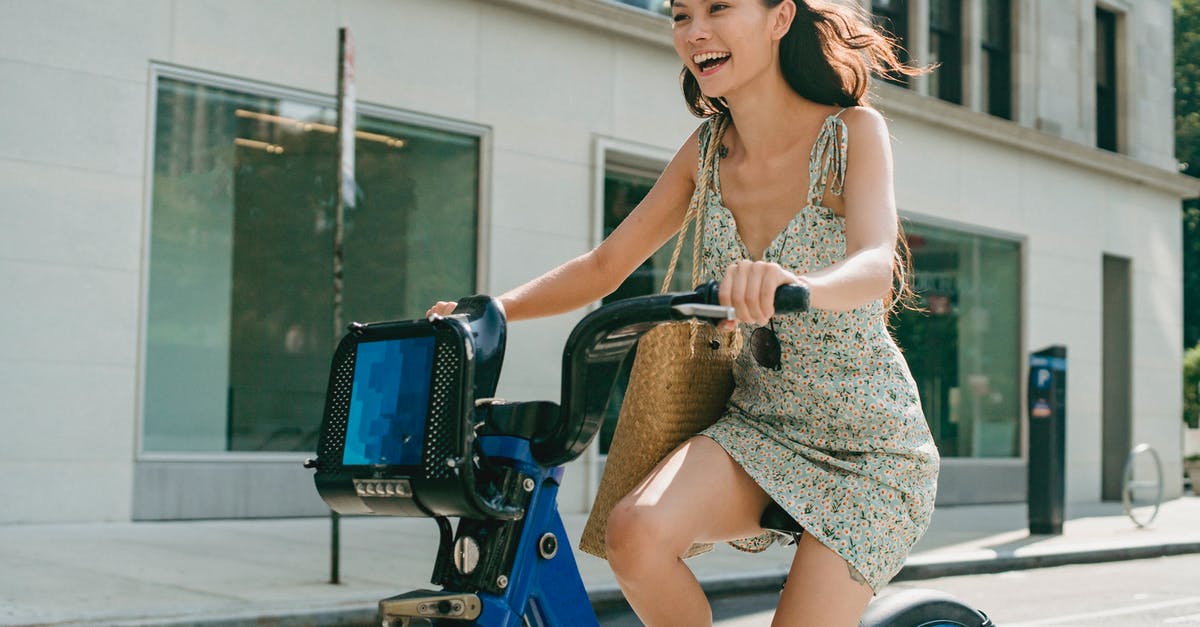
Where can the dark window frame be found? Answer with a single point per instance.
(893, 18)
(997, 46)
(1107, 105)
(946, 44)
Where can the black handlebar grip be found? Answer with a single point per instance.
(791, 299)
(788, 298)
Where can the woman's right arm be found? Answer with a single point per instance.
(599, 272)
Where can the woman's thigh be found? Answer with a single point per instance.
(699, 494)
(821, 589)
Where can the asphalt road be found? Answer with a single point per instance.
(1160, 591)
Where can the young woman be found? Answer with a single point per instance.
(802, 194)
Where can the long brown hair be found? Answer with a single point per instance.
(829, 56)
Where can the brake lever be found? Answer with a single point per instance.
(712, 312)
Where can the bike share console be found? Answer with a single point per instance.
(400, 419)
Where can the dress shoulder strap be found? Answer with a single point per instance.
(827, 164)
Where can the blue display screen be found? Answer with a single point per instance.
(388, 402)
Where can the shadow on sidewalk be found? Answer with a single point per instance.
(1011, 547)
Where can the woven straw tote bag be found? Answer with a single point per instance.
(679, 384)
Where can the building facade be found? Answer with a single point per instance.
(169, 170)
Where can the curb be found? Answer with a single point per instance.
(1002, 563)
(343, 614)
(608, 600)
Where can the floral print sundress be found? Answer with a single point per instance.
(836, 436)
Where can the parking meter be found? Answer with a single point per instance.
(1047, 439)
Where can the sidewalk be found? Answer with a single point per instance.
(257, 572)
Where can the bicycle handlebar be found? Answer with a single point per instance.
(600, 343)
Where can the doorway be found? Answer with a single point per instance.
(1117, 420)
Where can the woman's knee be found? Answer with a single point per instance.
(638, 534)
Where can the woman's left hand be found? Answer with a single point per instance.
(749, 287)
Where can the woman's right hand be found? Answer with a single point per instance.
(442, 308)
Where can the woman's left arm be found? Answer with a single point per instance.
(865, 274)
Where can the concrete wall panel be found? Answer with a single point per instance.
(55, 411)
(69, 314)
(284, 42)
(46, 123)
(95, 221)
(101, 39)
(395, 49)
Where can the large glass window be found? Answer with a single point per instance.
(997, 58)
(892, 16)
(945, 49)
(240, 313)
(964, 348)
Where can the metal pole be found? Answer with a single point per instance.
(345, 198)
(345, 171)
(335, 543)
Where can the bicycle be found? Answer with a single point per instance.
(412, 427)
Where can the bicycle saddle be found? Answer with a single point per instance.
(775, 518)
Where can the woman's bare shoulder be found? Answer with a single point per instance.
(689, 152)
(864, 120)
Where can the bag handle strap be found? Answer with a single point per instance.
(695, 212)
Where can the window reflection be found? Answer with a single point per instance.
(964, 349)
(240, 284)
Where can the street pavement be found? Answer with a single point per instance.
(1134, 593)
(262, 572)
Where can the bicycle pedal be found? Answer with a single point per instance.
(429, 604)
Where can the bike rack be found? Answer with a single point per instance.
(1129, 485)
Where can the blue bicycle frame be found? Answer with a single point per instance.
(545, 588)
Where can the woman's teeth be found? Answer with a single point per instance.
(709, 60)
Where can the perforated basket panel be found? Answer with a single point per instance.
(443, 430)
(337, 409)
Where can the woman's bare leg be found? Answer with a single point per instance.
(822, 590)
(698, 493)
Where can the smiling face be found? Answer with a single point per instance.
(727, 43)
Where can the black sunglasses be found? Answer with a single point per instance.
(764, 345)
